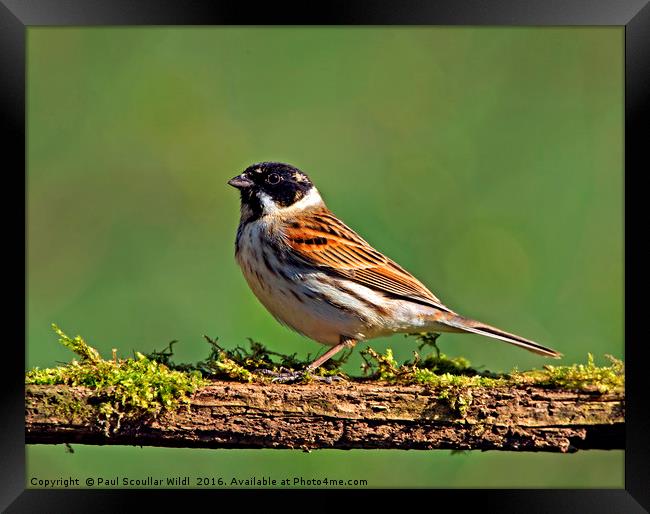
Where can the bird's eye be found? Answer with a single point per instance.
(273, 179)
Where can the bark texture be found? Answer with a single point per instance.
(345, 416)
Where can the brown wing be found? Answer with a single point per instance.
(321, 239)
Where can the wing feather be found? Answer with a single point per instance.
(320, 239)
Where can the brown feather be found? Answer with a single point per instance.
(320, 239)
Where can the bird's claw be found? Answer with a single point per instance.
(283, 375)
(287, 376)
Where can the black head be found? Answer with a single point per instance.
(271, 185)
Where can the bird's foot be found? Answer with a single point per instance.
(287, 376)
(283, 376)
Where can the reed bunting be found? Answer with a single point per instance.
(320, 278)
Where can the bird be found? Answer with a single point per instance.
(317, 276)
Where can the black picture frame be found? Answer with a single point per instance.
(17, 15)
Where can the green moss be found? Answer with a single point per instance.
(454, 380)
(123, 388)
(440, 370)
(246, 364)
(149, 384)
(449, 374)
(451, 378)
(583, 377)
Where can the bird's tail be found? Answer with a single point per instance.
(461, 324)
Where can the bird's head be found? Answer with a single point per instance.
(269, 188)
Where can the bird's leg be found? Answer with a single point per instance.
(296, 375)
(345, 343)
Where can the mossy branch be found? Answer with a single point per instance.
(429, 402)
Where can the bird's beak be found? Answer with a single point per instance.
(240, 182)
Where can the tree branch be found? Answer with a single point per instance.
(348, 415)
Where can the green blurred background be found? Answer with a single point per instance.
(487, 161)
